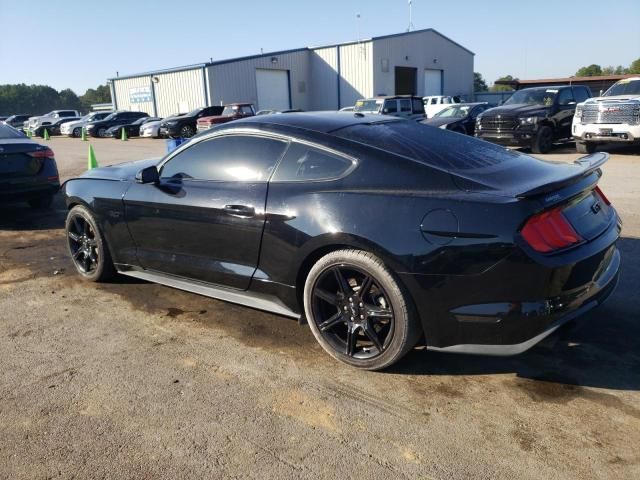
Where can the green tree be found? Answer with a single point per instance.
(590, 71)
(479, 85)
(634, 67)
(503, 88)
(101, 94)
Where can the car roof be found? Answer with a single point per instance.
(389, 97)
(322, 122)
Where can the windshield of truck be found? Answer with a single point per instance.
(368, 105)
(533, 96)
(624, 87)
(454, 112)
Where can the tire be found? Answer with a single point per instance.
(543, 143)
(586, 147)
(187, 131)
(77, 132)
(102, 132)
(41, 202)
(87, 246)
(345, 321)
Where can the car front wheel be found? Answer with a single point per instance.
(543, 141)
(87, 246)
(187, 131)
(357, 310)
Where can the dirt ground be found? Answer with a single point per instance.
(135, 380)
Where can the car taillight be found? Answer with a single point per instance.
(602, 196)
(549, 231)
(44, 153)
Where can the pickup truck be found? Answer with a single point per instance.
(34, 122)
(405, 106)
(612, 118)
(436, 103)
(233, 111)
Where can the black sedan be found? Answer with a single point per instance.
(460, 118)
(382, 232)
(184, 126)
(132, 129)
(100, 127)
(28, 170)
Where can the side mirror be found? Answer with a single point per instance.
(148, 175)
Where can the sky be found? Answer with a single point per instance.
(79, 44)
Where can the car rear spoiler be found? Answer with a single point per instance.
(587, 164)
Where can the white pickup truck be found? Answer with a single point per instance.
(613, 117)
(34, 122)
(436, 103)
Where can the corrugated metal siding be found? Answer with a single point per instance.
(122, 90)
(356, 71)
(236, 81)
(176, 87)
(323, 77)
(421, 50)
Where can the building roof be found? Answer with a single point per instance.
(283, 52)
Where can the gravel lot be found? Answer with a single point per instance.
(135, 380)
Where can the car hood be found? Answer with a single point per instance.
(121, 171)
(217, 119)
(614, 99)
(518, 109)
(151, 124)
(116, 127)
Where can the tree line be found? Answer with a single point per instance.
(40, 99)
(593, 70)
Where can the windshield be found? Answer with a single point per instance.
(624, 87)
(533, 96)
(454, 112)
(9, 132)
(230, 110)
(193, 113)
(111, 116)
(368, 105)
(140, 121)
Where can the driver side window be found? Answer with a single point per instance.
(565, 97)
(230, 158)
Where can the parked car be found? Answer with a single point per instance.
(404, 106)
(460, 117)
(28, 170)
(16, 121)
(380, 231)
(132, 129)
(3, 118)
(348, 109)
(54, 127)
(152, 129)
(99, 128)
(532, 117)
(184, 126)
(231, 112)
(74, 129)
(436, 103)
(34, 122)
(612, 118)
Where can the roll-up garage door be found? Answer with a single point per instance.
(432, 82)
(273, 89)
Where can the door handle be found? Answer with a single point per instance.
(239, 210)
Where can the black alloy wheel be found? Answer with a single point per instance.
(102, 132)
(87, 246)
(357, 311)
(187, 131)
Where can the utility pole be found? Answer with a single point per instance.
(410, 27)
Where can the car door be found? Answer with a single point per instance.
(566, 107)
(203, 220)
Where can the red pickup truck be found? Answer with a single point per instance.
(232, 111)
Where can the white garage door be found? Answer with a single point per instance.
(432, 82)
(273, 89)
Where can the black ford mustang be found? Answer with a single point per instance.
(382, 232)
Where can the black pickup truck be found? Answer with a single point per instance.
(532, 117)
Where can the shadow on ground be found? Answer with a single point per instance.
(20, 216)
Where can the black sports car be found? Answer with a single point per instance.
(132, 129)
(382, 232)
(184, 126)
(28, 170)
(99, 128)
(460, 117)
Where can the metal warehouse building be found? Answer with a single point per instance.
(422, 62)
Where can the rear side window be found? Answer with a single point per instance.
(390, 106)
(303, 162)
(418, 106)
(67, 114)
(405, 105)
(9, 132)
(231, 158)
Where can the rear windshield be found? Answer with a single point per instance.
(8, 132)
(444, 150)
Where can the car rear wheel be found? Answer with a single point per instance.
(585, 147)
(187, 131)
(357, 310)
(87, 246)
(41, 201)
(543, 142)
